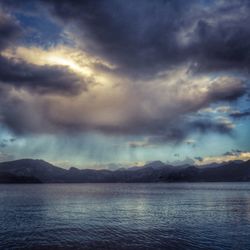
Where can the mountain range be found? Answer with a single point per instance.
(39, 171)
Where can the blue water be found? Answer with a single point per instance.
(125, 216)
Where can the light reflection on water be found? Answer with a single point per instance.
(125, 216)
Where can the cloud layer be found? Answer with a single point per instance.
(149, 36)
(128, 67)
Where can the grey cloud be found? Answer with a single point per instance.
(139, 34)
(222, 126)
(223, 44)
(198, 158)
(240, 114)
(40, 79)
(171, 124)
(178, 133)
(227, 89)
(233, 152)
(21, 116)
(142, 38)
(145, 37)
(9, 30)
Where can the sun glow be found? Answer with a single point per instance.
(64, 61)
(61, 56)
(81, 63)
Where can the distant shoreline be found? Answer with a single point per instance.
(31, 171)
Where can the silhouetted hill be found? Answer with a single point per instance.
(33, 171)
(39, 169)
(153, 165)
(230, 171)
(11, 178)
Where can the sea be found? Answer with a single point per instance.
(125, 216)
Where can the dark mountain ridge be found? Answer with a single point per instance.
(39, 171)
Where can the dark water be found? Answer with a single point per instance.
(125, 216)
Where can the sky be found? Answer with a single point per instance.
(120, 83)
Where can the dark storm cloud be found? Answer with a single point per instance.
(226, 89)
(222, 126)
(16, 113)
(147, 36)
(240, 114)
(169, 125)
(223, 44)
(41, 79)
(20, 74)
(141, 38)
(131, 34)
(9, 30)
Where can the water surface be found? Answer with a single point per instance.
(125, 216)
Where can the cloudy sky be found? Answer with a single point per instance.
(90, 83)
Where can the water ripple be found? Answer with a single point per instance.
(212, 216)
